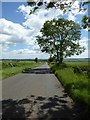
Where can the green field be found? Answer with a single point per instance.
(75, 77)
(10, 68)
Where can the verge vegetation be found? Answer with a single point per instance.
(74, 76)
(10, 68)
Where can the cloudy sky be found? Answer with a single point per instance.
(18, 30)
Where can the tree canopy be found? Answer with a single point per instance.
(64, 5)
(60, 38)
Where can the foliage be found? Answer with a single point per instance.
(10, 68)
(36, 60)
(75, 84)
(60, 38)
(65, 6)
(86, 22)
(51, 59)
(0, 65)
(58, 4)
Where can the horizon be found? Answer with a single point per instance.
(38, 59)
(18, 30)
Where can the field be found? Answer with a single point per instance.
(10, 68)
(75, 77)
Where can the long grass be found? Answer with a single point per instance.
(76, 84)
(10, 68)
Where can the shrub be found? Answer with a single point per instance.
(75, 84)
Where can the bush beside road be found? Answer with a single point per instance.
(10, 68)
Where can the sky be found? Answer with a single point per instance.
(18, 30)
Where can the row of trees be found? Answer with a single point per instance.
(60, 38)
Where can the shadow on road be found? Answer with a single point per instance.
(38, 71)
(39, 107)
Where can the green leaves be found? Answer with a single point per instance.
(51, 5)
(31, 3)
(62, 5)
(85, 21)
(40, 3)
(84, 3)
(60, 38)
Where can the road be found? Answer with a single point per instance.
(35, 94)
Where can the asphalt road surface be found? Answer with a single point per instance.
(35, 94)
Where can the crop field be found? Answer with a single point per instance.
(75, 77)
(10, 68)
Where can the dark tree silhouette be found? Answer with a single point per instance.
(36, 60)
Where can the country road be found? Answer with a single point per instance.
(35, 94)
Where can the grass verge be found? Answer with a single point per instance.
(10, 68)
(76, 83)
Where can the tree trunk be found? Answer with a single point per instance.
(61, 55)
(57, 56)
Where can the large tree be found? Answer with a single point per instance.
(60, 38)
